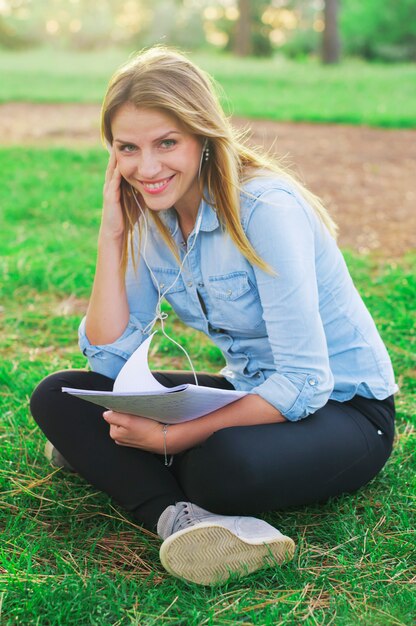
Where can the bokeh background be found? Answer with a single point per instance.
(372, 30)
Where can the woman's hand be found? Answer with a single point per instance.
(147, 434)
(112, 224)
(108, 309)
(135, 431)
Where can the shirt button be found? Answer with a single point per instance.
(312, 382)
(200, 284)
(161, 285)
(229, 292)
(189, 283)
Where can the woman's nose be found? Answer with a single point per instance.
(148, 166)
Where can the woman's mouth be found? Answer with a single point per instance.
(157, 186)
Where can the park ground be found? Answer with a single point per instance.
(68, 556)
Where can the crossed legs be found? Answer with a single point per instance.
(239, 470)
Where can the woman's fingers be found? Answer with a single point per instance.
(112, 178)
(112, 162)
(135, 431)
(112, 221)
(118, 424)
(117, 419)
(116, 178)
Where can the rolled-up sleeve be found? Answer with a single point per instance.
(108, 359)
(282, 229)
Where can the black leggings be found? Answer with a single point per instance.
(239, 470)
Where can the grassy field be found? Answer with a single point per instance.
(68, 556)
(354, 92)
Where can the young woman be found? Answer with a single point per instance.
(247, 255)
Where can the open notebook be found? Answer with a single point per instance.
(136, 391)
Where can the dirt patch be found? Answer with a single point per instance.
(365, 176)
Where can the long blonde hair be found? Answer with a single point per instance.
(164, 79)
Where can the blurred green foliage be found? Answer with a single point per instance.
(371, 29)
(375, 30)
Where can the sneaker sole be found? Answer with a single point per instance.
(207, 554)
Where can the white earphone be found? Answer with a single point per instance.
(159, 314)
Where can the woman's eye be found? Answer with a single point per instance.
(128, 147)
(168, 143)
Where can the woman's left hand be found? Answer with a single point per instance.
(135, 431)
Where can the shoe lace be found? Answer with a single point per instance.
(183, 518)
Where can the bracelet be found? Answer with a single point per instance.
(165, 453)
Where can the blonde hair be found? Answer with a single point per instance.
(163, 79)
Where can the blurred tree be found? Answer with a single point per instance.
(174, 22)
(8, 36)
(86, 24)
(242, 38)
(74, 23)
(368, 29)
(330, 36)
(243, 26)
(299, 29)
(249, 34)
(12, 15)
(385, 32)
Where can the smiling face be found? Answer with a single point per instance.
(158, 158)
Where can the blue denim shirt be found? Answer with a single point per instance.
(297, 337)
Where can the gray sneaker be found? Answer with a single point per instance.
(205, 548)
(56, 459)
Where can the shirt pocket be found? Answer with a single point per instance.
(236, 303)
(170, 280)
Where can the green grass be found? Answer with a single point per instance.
(354, 92)
(68, 556)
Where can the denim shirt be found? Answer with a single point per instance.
(297, 337)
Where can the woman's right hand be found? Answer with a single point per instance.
(112, 223)
(108, 311)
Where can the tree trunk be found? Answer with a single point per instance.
(242, 44)
(331, 42)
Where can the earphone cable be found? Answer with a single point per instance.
(162, 315)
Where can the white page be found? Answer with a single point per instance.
(122, 394)
(185, 404)
(135, 374)
(137, 392)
